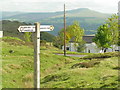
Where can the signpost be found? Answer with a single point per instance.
(31, 28)
(37, 28)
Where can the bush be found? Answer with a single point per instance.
(43, 43)
(102, 55)
(13, 38)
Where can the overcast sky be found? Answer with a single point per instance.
(105, 6)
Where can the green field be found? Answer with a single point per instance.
(56, 71)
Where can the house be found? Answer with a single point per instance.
(1, 34)
(90, 46)
(71, 46)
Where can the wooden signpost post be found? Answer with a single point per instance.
(37, 28)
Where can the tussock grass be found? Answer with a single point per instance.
(56, 71)
(14, 66)
(28, 77)
(102, 55)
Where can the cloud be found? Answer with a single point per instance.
(105, 6)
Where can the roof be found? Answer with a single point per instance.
(88, 39)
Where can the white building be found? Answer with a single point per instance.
(1, 34)
(90, 46)
(71, 46)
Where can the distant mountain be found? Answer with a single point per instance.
(88, 19)
(8, 14)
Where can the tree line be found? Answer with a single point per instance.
(107, 35)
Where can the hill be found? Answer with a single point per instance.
(56, 71)
(88, 19)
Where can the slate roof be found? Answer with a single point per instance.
(88, 39)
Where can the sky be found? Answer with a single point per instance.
(104, 6)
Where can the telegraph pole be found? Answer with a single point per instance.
(64, 32)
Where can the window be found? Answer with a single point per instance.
(67, 48)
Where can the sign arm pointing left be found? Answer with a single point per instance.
(31, 28)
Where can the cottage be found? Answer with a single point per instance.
(90, 46)
(1, 34)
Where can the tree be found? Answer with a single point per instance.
(113, 27)
(27, 36)
(47, 36)
(58, 42)
(103, 37)
(81, 46)
(73, 33)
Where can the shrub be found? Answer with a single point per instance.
(102, 55)
(43, 43)
(13, 38)
(85, 64)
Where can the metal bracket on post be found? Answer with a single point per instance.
(37, 56)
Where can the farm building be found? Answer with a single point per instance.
(1, 34)
(90, 46)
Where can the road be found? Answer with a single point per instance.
(74, 55)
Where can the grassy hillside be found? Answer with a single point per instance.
(56, 71)
(10, 28)
(17, 63)
(89, 19)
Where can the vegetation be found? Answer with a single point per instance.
(103, 37)
(102, 55)
(113, 27)
(108, 34)
(81, 46)
(74, 33)
(17, 64)
(47, 37)
(28, 36)
(56, 71)
(11, 38)
(79, 74)
(10, 30)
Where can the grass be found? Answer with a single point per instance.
(13, 38)
(56, 71)
(16, 65)
(82, 77)
(69, 52)
(102, 55)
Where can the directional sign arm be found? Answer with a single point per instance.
(31, 28)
